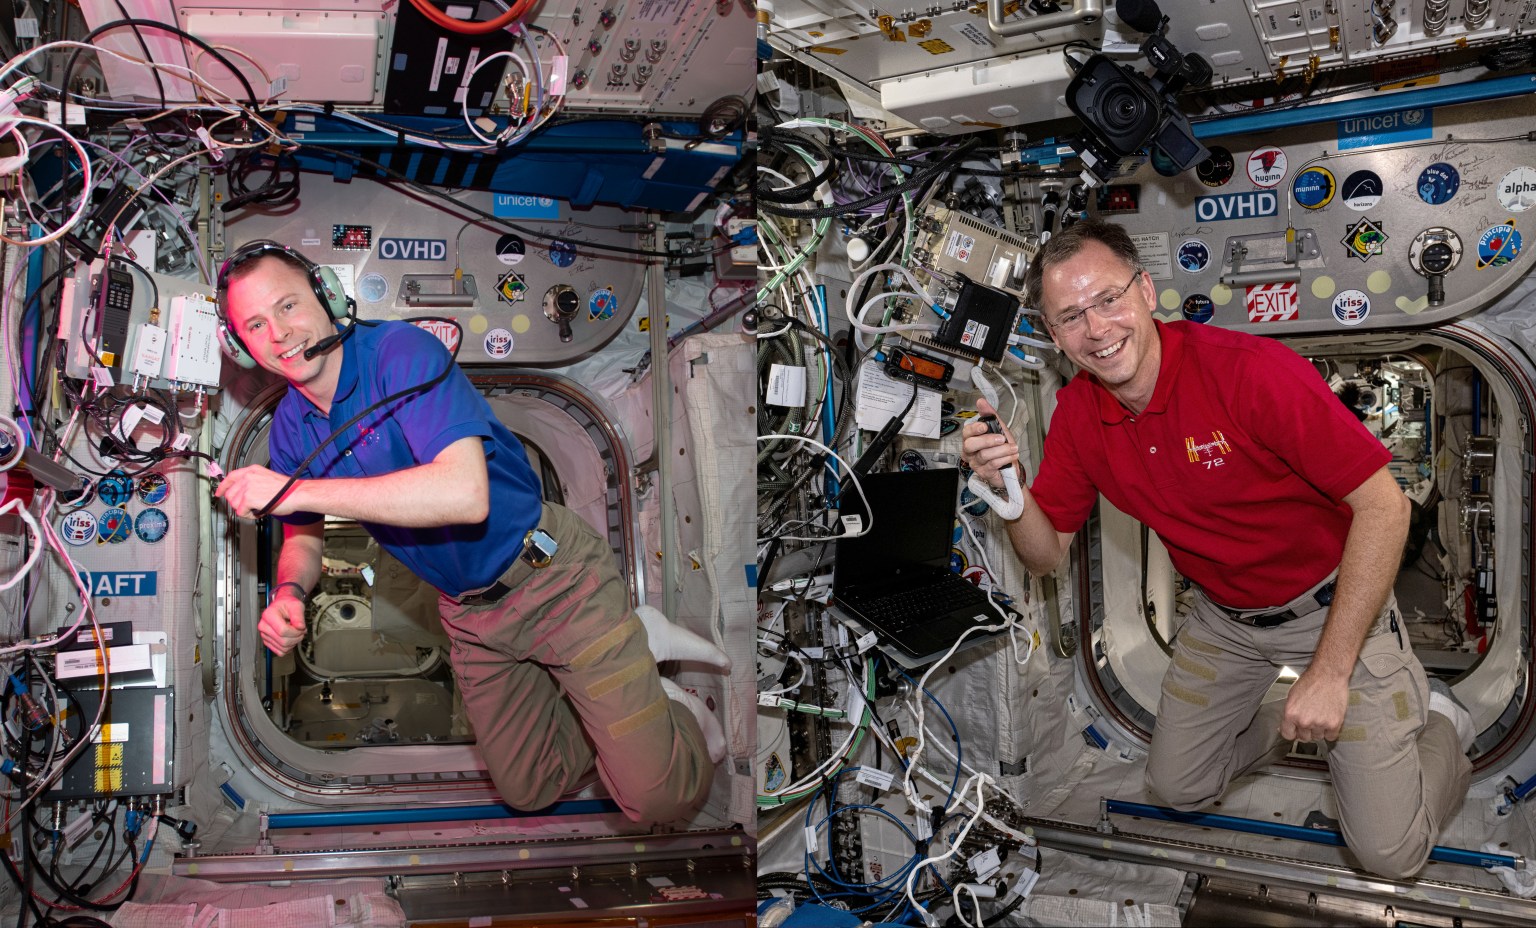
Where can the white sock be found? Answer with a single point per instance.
(714, 735)
(671, 642)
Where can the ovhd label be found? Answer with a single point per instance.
(413, 249)
(119, 583)
(1250, 205)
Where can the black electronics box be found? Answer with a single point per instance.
(981, 321)
(133, 754)
(113, 634)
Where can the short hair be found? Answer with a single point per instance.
(1068, 242)
(244, 265)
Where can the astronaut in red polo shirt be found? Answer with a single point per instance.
(1277, 504)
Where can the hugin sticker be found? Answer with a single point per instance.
(1361, 190)
(1267, 167)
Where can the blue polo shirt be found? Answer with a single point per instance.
(377, 361)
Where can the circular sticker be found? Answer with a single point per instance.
(912, 459)
(510, 249)
(1217, 169)
(1266, 166)
(78, 527)
(1498, 245)
(1194, 256)
(562, 253)
(1517, 190)
(1313, 188)
(151, 525)
(601, 304)
(115, 489)
(1198, 308)
(153, 489)
(87, 494)
(498, 343)
(114, 526)
(972, 503)
(1351, 307)
(1361, 190)
(1438, 183)
(373, 288)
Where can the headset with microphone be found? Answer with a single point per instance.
(327, 287)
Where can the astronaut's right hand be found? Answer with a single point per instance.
(985, 451)
(282, 623)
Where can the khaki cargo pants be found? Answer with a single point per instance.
(1397, 769)
(558, 675)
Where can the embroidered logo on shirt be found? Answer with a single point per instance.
(1207, 449)
(367, 435)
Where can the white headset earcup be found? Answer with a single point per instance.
(332, 294)
(234, 350)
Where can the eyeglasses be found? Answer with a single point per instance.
(1106, 307)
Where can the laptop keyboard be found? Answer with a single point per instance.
(899, 611)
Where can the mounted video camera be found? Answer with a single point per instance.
(1123, 111)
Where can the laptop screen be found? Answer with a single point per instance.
(912, 534)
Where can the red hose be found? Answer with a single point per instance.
(472, 28)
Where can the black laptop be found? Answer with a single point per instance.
(895, 580)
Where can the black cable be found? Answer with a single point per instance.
(144, 47)
(298, 472)
(916, 180)
(23, 886)
(781, 142)
(279, 189)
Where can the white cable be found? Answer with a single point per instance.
(37, 541)
(846, 469)
(954, 846)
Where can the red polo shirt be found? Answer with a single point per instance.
(1240, 463)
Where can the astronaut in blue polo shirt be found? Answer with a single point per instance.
(557, 673)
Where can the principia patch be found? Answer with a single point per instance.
(1498, 245)
(1351, 307)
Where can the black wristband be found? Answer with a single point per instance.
(303, 593)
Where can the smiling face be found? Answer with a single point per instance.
(272, 306)
(1121, 347)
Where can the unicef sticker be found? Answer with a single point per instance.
(498, 343)
(562, 253)
(1313, 188)
(1267, 166)
(153, 489)
(78, 528)
(151, 525)
(1361, 190)
(1198, 308)
(1517, 190)
(115, 489)
(601, 304)
(1498, 245)
(114, 526)
(1351, 307)
(1194, 256)
(1438, 183)
(1216, 170)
